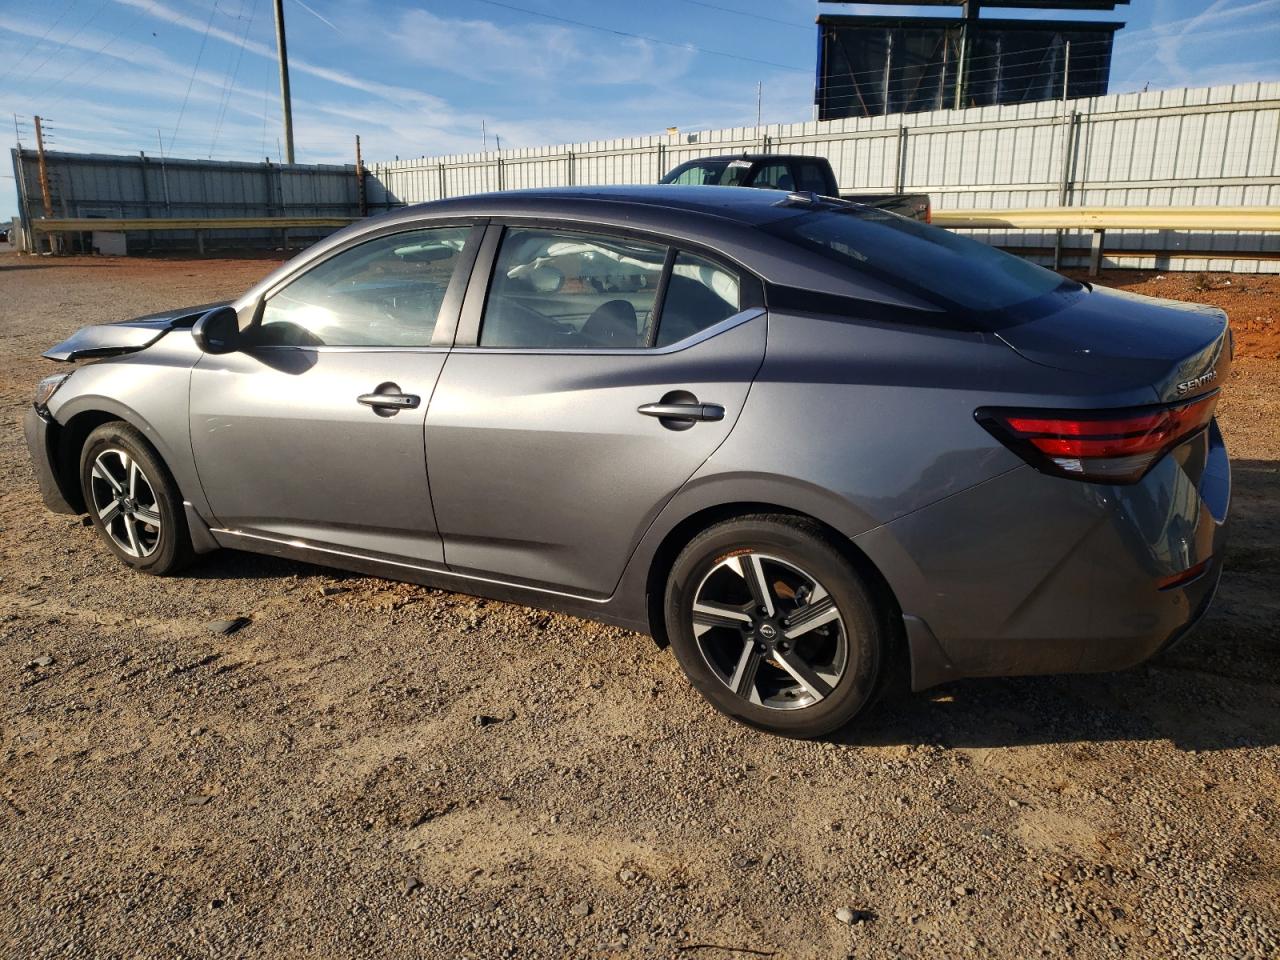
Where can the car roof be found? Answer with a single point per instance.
(755, 157)
(614, 203)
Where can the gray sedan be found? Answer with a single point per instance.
(798, 440)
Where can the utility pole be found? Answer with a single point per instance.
(44, 170)
(54, 245)
(759, 98)
(285, 98)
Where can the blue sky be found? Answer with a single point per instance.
(420, 76)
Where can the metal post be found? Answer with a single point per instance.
(759, 100)
(900, 174)
(888, 72)
(1095, 252)
(569, 158)
(285, 99)
(146, 195)
(362, 204)
(444, 181)
(1064, 182)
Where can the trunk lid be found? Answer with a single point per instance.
(1180, 349)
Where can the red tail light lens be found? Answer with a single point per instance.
(1103, 446)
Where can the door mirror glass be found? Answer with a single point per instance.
(218, 331)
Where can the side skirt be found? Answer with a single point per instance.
(602, 611)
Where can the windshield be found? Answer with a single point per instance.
(709, 173)
(936, 264)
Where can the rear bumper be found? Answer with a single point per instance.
(1029, 574)
(36, 429)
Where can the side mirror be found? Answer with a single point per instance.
(218, 331)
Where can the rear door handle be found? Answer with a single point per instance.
(682, 411)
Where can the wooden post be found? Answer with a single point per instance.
(45, 195)
(361, 201)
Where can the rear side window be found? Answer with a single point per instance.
(776, 176)
(936, 264)
(699, 295)
(571, 291)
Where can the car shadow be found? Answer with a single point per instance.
(1219, 689)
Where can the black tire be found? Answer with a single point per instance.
(162, 550)
(783, 544)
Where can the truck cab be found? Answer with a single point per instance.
(790, 173)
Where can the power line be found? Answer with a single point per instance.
(194, 70)
(640, 36)
(62, 46)
(45, 36)
(754, 16)
(97, 53)
(229, 85)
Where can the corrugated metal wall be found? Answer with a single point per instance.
(97, 185)
(1208, 146)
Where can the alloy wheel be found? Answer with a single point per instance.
(125, 502)
(770, 631)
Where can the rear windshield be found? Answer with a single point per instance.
(938, 265)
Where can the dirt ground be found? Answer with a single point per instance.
(318, 784)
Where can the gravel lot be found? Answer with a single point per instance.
(318, 782)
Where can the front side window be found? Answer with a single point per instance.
(562, 290)
(699, 294)
(383, 293)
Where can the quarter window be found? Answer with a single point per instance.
(383, 293)
(699, 294)
(562, 290)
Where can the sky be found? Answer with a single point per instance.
(197, 78)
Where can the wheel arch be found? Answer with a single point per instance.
(888, 610)
(70, 429)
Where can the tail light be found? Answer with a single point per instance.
(928, 211)
(1101, 446)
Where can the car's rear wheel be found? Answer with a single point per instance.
(133, 501)
(774, 626)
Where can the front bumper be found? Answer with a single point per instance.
(43, 457)
(1029, 574)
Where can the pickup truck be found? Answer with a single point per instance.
(791, 172)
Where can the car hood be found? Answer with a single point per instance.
(126, 336)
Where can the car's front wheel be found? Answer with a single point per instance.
(773, 625)
(133, 501)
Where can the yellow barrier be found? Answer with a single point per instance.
(1113, 218)
(1102, 219)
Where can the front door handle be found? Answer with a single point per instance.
(682, 411)
(387, 399)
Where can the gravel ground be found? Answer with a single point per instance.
(375, 769)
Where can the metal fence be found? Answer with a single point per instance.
(113, 187)
(1209, 146)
